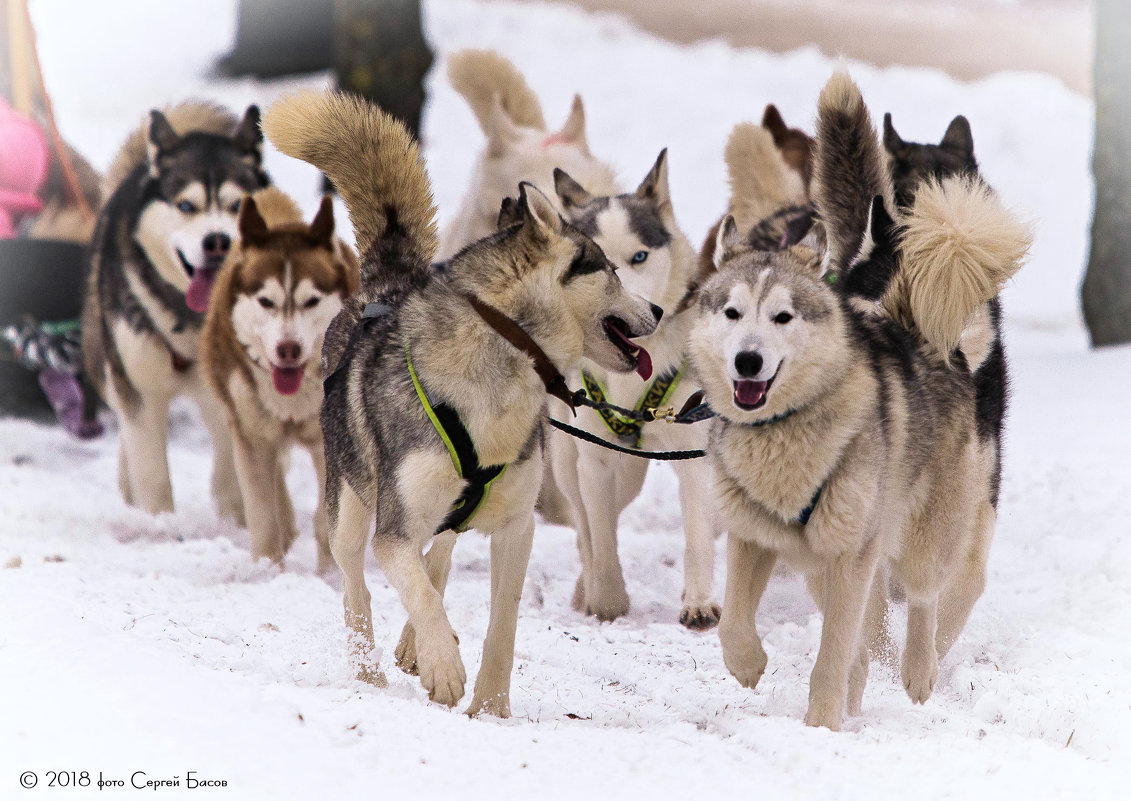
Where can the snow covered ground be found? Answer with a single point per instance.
(133, 643)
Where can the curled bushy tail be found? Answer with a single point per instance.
(482, 75)
(959, 245)
(848, 168)
(376, 167)
(761, 182)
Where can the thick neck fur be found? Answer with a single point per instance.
(782, 464)
(464, 363)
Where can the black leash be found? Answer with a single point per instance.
(663, 456)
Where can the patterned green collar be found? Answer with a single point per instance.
(656, 394)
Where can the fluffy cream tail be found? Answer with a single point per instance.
(848, 168)
(761, 182)
(481, 75)
(375, 165)
(959, 246)
(191, 115)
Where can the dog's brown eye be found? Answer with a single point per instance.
(732, 313)
(310, 304)
(266, 303)
(783, 318)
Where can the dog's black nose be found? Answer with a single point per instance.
(657, 312)
(216, 245)
(288, 351)
(748, 363)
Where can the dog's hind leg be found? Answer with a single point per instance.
(748, 572)
(257, 468)
(510, 554)
(438, 563)
(349, 532)
(844, 587)
(967, 584)
(699, 612)
(563, 453)
(145, 445)
(437, 648)
(321, 517)
(873, 641)
(920, 668)
(124, 475)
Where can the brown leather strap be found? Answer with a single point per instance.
(509, 330)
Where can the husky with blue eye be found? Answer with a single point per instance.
(846, 441)
(173, 193)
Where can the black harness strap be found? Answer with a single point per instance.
(477, 476)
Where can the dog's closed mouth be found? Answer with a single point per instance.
(617, 332)
(287, 380)
(750, 395)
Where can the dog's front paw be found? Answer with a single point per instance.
(372, 674)
(920, 671)
(229, 504)
(406, 650)
(441, 668)
(700, 617)
(824, 713)
(744, 657)
(498, 705)
(607, 600)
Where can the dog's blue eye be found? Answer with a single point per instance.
(186, 207)
(639, 257)
(732, 313)
(783, 318)
(235, 207)
(266, 303)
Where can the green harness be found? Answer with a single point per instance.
(656, 394)
(460, 447)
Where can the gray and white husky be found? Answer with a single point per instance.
(424, 353)
(846, 441)
(173, 193)
(638, 232)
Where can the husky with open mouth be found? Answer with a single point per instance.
(261, 353)
(173, 193)
(847, 440)
(436, 401)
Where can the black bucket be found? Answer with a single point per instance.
(42, 279)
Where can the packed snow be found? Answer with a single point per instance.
(137, 643)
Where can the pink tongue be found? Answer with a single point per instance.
(750, 393)
(287, 379)
(643, 363)
(643, 358)
(196, 296)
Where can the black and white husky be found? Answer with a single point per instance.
(173, 194)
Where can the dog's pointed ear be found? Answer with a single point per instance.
(772, 121)
(654, 187)
(572, 194)
(501, 129)
(573, 132)
(892, 140)
(728, 241)
(959, 138)
(160, 138)
(539, 217)
(248, 137)
(253, 228)
(510, 213)
(322, 226)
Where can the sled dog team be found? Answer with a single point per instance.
(841, 322)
